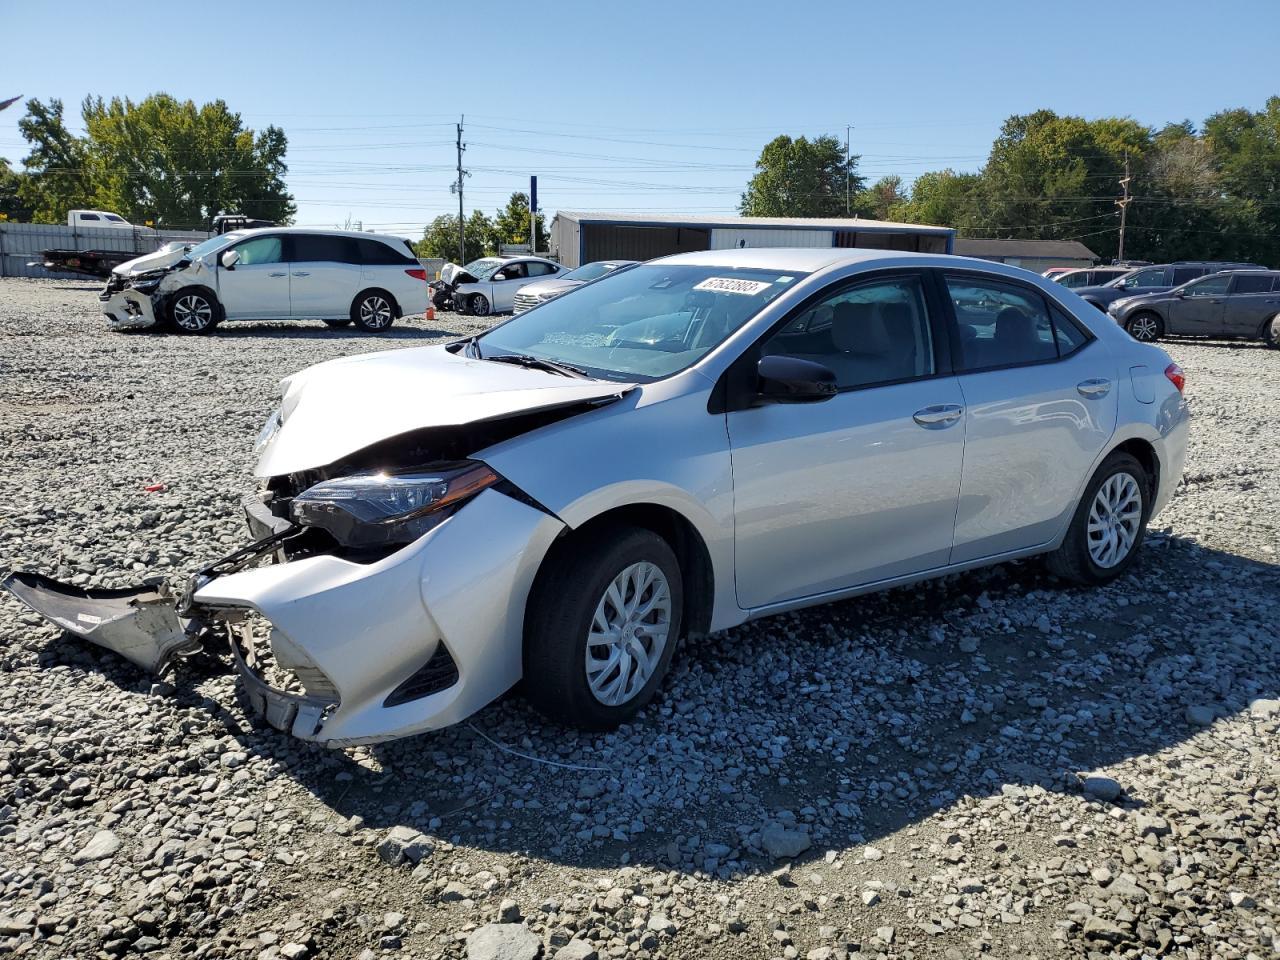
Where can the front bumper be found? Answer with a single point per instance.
(128, 310)
(371, 629)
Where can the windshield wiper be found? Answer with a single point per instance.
(541, 363)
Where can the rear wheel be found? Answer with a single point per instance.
(1108, 526)
(193, 311)
(373, 311)
(602, 628)
(1145, 327)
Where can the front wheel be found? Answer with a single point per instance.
(479, 305)
(193, 311)
(373, 311)
(602, 628)
(1145, 327)
(1108, 526)
(1271, 332)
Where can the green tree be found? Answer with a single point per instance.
(162, 159)
(58, 175)
(12, 206)
(801, 178)
(944, 198)
(440, 238)
(883, 198)
(511, 223)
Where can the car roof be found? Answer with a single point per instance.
(316, 231)
(813, 259)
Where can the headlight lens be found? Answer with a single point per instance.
(376, 509)
(268, 431)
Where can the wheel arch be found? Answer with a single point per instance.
(208, 291)
(697, 572)
(1145, 453)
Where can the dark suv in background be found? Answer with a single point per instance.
(1155, 279)
(1237, 303)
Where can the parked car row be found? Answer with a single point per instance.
(1232, 303)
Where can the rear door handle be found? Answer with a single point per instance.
(1094, 389)
(938, 416)
(277, 274)
(301, 273)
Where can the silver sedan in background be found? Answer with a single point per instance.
(675, 449)
(540, 291)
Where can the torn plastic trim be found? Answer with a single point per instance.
(301, 715)
(140, 623)
(130, 310)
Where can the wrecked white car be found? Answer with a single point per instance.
(277, 273)
(674, 449)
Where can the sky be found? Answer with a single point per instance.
(648, 106)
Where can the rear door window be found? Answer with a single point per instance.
(1182, 274)
(1001, 325)
(1252, 283)
(322, 248)
(540, 269)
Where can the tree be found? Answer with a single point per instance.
(440, 238)
(12, 206)
(58, 177)
(511, 223)
(801, 178)
(882, 198)
(944, 198)
(163, 160)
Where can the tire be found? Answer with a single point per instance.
(562, 616)
(374, 311)
(1085, 560)
(1271, 332)
(338, 324)
(193, 311)
(478, 305)
(1145, 327)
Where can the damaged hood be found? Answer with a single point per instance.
(152, 261)
(334, 409)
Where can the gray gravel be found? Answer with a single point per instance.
(987, 763)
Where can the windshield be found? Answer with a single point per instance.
(484, 268)
(212, 244)
(640, 324)
(589, 271)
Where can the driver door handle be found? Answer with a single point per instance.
(938, 416)
(1094, 389)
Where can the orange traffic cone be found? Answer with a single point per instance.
(431, 312)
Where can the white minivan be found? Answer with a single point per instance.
(273, 273)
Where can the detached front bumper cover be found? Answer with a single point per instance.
(140, 623)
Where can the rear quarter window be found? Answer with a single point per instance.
(376, 252)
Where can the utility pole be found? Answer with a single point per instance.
(847, 129)
(457, 186)
(1123, 204)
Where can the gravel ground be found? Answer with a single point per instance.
(989, 763)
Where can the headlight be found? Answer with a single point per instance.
(268, 431)
(374, 509)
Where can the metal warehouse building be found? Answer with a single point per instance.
(580, 238)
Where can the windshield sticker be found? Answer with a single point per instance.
(784, 279)
(747, 288)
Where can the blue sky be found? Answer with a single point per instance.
(643, 106)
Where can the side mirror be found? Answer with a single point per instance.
(230, 259)
(792, 380)
(499, 276)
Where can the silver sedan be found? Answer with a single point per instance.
(672, 450)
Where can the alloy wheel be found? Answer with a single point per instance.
(375, 313)
(629, 632)
(192, 313)
(1144, 328)
(1114, 519)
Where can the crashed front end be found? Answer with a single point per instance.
(384, 592)
(132, 302)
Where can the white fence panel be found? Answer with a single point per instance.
(22, 243)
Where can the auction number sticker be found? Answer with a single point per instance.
(747, 288)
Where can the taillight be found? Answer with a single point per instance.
(1176, 376)
(418, 274)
